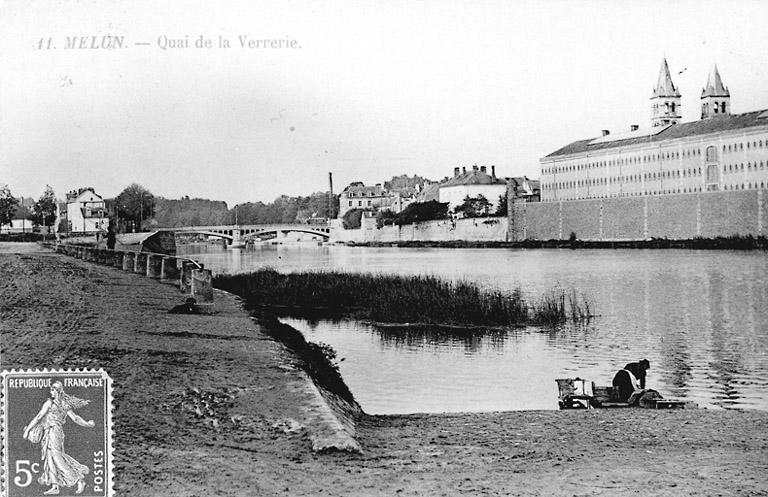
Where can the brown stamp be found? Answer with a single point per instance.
(57, 433)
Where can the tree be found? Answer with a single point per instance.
(384, 218)
(501, 207)
(352, 219)
(135, 204)
(474, 206)
(45, 208)
(423, 211)
(8, 204)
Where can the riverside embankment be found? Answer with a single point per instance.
(56, 311)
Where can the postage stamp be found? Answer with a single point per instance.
(57, 433)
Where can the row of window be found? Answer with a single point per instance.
(737, 147)
(669, 108)
(364, 194)
(359, 203)
(684, 173)
(632, 178)
(749, 186)
(716, 106)
(742, 186)
(730, 168)
(688, 153)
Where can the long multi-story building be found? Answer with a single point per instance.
(719, 152)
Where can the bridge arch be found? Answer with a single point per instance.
(284, 229)
(203, 232)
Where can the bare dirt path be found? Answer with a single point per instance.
(205, 405)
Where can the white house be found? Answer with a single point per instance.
(86, 211)
(20, 225)
(472, 183)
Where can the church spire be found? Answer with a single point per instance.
(715, 87)
(664, 86)
(715, 97)
(665, 101)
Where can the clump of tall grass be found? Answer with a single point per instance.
(559, 305)
(391, 298)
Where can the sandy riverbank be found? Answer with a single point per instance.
(59, 312)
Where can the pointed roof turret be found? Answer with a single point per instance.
(664, 86)
(715, 87)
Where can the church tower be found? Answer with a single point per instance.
(715, 98)
(665, 102)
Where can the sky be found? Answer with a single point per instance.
(368, 90)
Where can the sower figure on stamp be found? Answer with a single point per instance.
(59, 469)
(631, 378)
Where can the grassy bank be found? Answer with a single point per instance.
(318, 360)
(400, 299)
(719, 243)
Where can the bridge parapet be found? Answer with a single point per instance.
(235, 233)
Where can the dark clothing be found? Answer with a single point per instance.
(637, 369)
(110, 239)
(623, 384)
(185, 309)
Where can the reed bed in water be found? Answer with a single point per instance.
(400, 299)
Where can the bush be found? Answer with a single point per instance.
(422, 211)
(352, 219)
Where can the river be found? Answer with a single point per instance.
(700, 317)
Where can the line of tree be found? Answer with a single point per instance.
(133, 208)
(41, 212)
(480, 206)
(414, 213)
(284, 209)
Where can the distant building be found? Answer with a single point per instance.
(86, 211)
(20, 225)
(719, 152)
(524, 189)
(375, 198)
(472, 183)
(429, 193)
(359, 196)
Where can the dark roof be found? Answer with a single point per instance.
(682, 130)
(430, 192)
(474, 177)
(359, 187)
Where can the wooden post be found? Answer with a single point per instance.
(128, 261)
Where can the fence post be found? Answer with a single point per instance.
(168, 269)
(140, 263)
(202, 286)
(117, 259)
(128, 261)
(101, 256)
(185, 281)
(153, 265)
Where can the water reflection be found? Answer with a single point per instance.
(470, 340)
(700, 317)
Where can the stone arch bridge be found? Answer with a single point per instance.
(235, 234)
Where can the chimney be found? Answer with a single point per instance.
(464, 169)
(482, 169)
(634, 127)
(606, 132)
(493, 171)
(455, 172)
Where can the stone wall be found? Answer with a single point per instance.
(474, 229)
(677, 217)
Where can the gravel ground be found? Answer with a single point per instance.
(210, 405)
